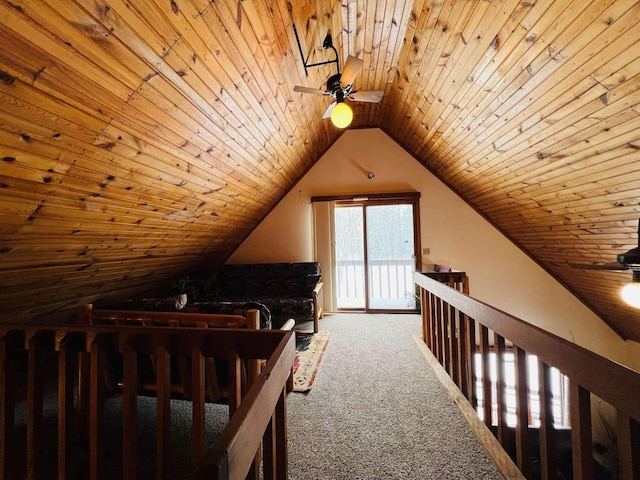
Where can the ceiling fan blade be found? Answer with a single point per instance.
(599, 266)
(327, 113)
(315, 91)
(371, 96)
(351, 70)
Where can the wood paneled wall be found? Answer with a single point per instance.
(140, 140)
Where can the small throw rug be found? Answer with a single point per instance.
(309, 351)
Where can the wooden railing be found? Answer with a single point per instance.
(391, 280)
(455, 326)
(75, 358)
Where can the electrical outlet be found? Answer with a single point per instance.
(426, 251)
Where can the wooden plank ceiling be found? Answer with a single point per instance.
(140, 139)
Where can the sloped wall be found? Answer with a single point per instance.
(500, 274)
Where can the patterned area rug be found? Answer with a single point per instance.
(309, 351)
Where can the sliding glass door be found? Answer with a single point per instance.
(375, 251)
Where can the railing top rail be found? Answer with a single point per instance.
(248, 343)
(246, 427)
(607, 379)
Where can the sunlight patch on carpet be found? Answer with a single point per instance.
(307, 361)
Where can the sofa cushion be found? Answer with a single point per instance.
(266, 279)
(291, 307)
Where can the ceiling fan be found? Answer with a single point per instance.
(629, 260)
(339, 86)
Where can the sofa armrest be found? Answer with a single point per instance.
(317, 305)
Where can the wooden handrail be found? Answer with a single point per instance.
(245, 430)
(40, 343)
(597, 374)
(447, 314)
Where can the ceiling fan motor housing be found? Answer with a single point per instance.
(334, 86)
(630, 258)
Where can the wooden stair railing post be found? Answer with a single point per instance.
(425, 314)
(183, 368)
(275, 443)
(523, 455)
(433, 317)
(503, 430)
(84, 362)
(581, 436)
(269, 450)
(446, 341)
(462, 353)
(253, 370)
(129, 408)
(439, 330)
(66, 380)
(547, 430)
(198, 399)
(235, 382)
(453, 344)
(7, 404)
(96, 406)
(282, 467)
(628, 447)
(35, 402)
(163, 414)
(471, 348)
(487, 394)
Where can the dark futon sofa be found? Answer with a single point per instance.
(289, 290)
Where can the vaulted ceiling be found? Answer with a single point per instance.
(142, 138)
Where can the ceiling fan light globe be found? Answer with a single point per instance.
(342, 115)
(630, 293)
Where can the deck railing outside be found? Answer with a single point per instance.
(391, 283)
(456, 326)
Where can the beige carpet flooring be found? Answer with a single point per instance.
(377, 410)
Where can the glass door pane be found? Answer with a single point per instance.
(390, 257)
(349, 238)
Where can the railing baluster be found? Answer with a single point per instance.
(235, 382)
(523, 458)
(463, 355)
(84, 375)
(439, 328)
(198, 383)
(503, 431)
(66, 378)
(547, 430)
(282, 468)
(434, 324)
(129, 410)
(453, 344)
(425, 316)
(269, 450)
(163, 423)
(34, 403)
(471, 348)
(628, 447)
(446, 341)
(96, 408)
(7, 406)
(581, 437)
(485, 353)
